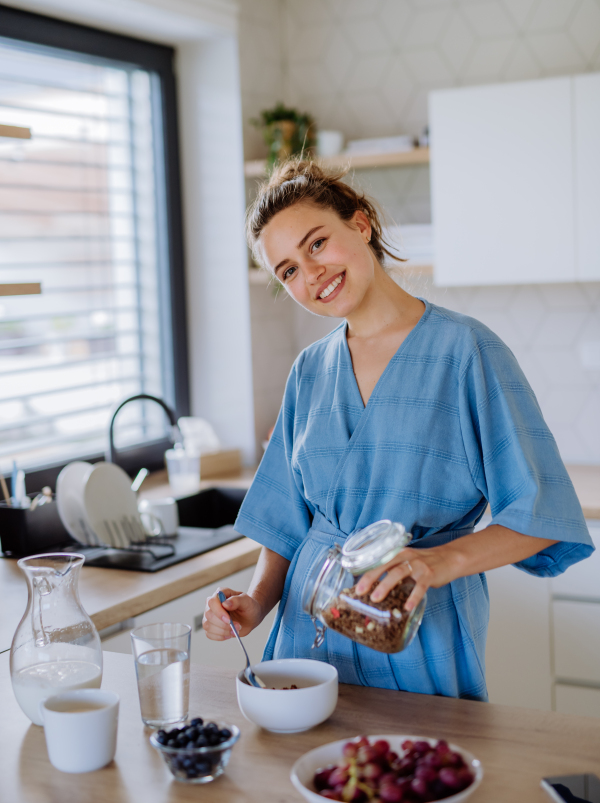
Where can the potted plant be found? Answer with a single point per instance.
(286, 132)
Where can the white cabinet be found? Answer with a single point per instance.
(579, 700)
(189, 609)
(581, 581)
(577, 640)
(515, 180)
(518, 646)
(586, 89)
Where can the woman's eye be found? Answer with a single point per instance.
(317, 243)
(287, 273)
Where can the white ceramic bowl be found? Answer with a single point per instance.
(304, 769)
(291, 710)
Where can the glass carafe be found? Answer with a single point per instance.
(56, 646)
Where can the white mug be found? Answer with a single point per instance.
(164, 510)
(81, 729)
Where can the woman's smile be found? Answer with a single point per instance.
(328, 291)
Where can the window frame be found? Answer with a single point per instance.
(158, 59)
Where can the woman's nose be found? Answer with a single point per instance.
(314, 271)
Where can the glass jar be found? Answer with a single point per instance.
(56, 646)
(330, 598)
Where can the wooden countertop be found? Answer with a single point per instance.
(516, 746)
(110, 596)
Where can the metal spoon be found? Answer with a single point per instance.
(248, 673)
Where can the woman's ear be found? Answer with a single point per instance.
(363, 224)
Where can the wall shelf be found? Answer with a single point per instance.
(418, 156)
(22, 289)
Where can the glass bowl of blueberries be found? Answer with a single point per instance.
(197, 752)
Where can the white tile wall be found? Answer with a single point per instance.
(366, 68)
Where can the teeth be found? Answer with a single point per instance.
(330, 288)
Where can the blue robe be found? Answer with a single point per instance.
(451, 425)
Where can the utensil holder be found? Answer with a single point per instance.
(29, 532)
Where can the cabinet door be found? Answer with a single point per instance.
(582, 580)
(577, 641)
(517, 655)
(586, 90)
(578, 700)
(502, 183)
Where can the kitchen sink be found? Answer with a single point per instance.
(206, 522)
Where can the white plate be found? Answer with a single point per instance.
(111, 507)
(69, 500)
(304, 769)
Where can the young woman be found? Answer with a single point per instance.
(406, 411)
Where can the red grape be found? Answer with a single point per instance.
(407, 745)
(372, 770)
(382, 747)
(406, 766)
(338, 776)
(350, 750)
(391, 794)
(331, 794)
(322, 776)
(366, 753)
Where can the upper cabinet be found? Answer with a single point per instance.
(512, 168)
(586, 95)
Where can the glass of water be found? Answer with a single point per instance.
(162, 665)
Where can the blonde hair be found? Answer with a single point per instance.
(303, 181)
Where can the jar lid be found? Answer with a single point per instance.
(374, 545)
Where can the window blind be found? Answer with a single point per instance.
(82, 212)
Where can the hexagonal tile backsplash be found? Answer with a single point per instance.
(365, 67)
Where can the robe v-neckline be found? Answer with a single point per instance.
(386, 370)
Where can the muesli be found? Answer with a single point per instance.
(379, 625)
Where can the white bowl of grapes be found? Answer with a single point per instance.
(387, 769)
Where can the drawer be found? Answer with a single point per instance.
(582, 579)
(576, 640)
(578, 700)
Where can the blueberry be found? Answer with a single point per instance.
(197, 722)
(162, 737)
(203, 767)
(187, 763)
(201, 741)
(211, 726)
(225, 734)
(214, 738)
(171, 743)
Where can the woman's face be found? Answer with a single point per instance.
(324, 262)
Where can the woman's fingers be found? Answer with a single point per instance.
(394, 576)
(369, 578)
(216, 619)
(416, 596)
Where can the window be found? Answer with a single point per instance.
(83, 210)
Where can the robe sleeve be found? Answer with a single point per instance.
(514, 459)
(274, 511)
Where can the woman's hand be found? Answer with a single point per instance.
(245, 612)
(428, 568)
(435, 566)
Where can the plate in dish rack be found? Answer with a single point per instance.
(304, 769)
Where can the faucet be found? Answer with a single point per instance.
(176, 436)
